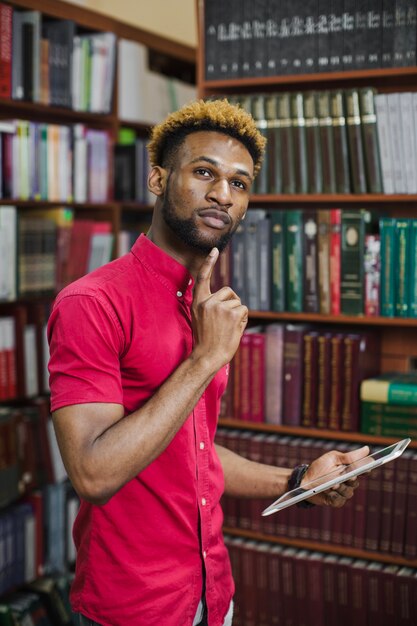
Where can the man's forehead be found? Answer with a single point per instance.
(217, 146)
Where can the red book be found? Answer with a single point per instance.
(244, 376)
(234, 546)
(386, 512)
(275, 586)
(331, 613)
(249, 598)
(405, 592)
(336, 380)
(373, 509)
(274, 353)
(244, 519)
(257, 377)
(6, 17)
(301, 589)
(9, 344)
(344, 590)
(323, 375)
(257, 505)
(4, 392)
(359, 605)
(388, 577)
(310, 392)
(293, 374)
(399, 511)
(335, 256)
(360, 503)
(375, 590)
(261, 584)
(315, 597)
(410, 548)
(361, 360)
(288, 599)
(79, 248)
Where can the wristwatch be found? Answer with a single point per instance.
(294, 482)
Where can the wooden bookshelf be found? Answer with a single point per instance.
(398, 335)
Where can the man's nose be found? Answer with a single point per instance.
(220, 192)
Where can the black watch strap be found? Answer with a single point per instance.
(294, 482)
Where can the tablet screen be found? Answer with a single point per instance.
(340, 475)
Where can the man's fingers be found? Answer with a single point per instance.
(202, 284)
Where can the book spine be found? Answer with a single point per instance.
(324, 369)
(273, 134)
(356, 153)
(323, 247)
(336, 381)
(310, 271)
(372, 274)
(257, 369)
(388, 32)
(402, 275)
(294, 278)
(259, 115)
(299, 143)
(370, 140)
(293, 374)
(384, 142)
(352, 265)
(313, 151)
(326, 143)
(388, 261)
(309, 415)
(277, 221)
(341, 150)
(335, 259)
(6, 18)
(287, 146)
(413, 269)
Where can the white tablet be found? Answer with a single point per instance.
(340, 475)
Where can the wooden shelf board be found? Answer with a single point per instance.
(336, 200)
(316, 433)
(47, 204)
(323, 547)
(358, 320)
(33, 110)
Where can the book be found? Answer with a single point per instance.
(341, 150)
(370, 140)
(293, 373)
(299, 142)
(274, 352)
(259, 115)
(287, 146)
(277, 222)
(372, 274)
(401, 274)
(326, 143)
(313, 151)
(310, 261)
(6, 22)
(335, 260)
(388, 265)
(294, 266)
(394, 388)
(273, 134)
(384, 142)
(310, 388)
(355, 141)
(323, 260)
(354, 224)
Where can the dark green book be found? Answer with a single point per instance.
(388, 264)
(278, 258)
(287, 146)
(326, 142)
(413, 269)
(273, 135)
(310, 259)
(356, 152)
(352, 261)
(341, 149)
(370, 140)
(258, 113)
(314, 166)
(299, 142)
(402, 267)
(294, 253)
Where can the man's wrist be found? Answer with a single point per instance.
(294, 482)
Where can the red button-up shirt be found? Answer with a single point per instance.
(115, 336)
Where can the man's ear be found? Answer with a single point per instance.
(157, 180)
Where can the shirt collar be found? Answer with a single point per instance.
(174, 276)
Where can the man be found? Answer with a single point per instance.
(139, 360)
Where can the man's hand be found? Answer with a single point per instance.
(219, 319)
(327, 463)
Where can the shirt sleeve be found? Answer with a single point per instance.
(85, 341)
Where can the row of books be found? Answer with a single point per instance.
(328, 261)
(30, 455)
(277, 585)
(389, 405)
(46, 61)
(131, 168)
(38, 534)
(270, 39)
(300, 375)
(380, 517)
(42, 602)
(54, 162)
(24, 351)
(145, 95)
(341, 141)
(45, 249)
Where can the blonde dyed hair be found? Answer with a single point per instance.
(212, 115)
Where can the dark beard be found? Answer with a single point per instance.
(187, 231)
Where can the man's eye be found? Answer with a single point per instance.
(202, 171)
(239, 184)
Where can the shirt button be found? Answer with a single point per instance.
(203, 501)
(190, 281)
(204, 554)
(202, 445)
(179, 294)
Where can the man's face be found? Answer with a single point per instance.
(207, 190)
